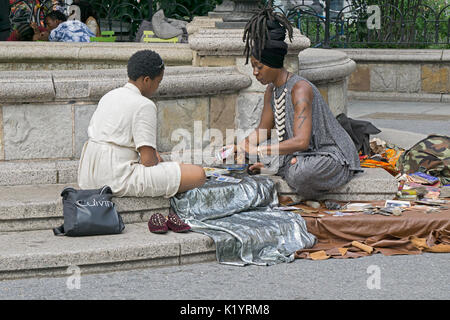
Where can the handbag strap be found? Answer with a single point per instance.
(106, 189)
(59, 231)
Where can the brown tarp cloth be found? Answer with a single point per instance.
(413, 232)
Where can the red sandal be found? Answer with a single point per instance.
(157, 223)
(176, 224)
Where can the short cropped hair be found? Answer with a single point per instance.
(56, 15)
(145, 63)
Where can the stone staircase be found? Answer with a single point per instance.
(30, 206)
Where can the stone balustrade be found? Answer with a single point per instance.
(95, 55)
(400, 75)
(45, 115)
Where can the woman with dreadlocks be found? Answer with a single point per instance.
(316, 153)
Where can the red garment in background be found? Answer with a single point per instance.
(14, 36)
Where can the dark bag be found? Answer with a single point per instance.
(89, 213)
(359, 131)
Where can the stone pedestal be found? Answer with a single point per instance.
(329, 71)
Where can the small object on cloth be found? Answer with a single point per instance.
(175, 224)
(397, 203)
(423, 178)
(432, 210)
(445, 192)
(319, 255)
(211, 171)
(377, 145)
(313, 204)
(223, 178)
(358, 206)
(331, 205)
(286, 208)
(397, 211)
(362, 246)
(157, 223)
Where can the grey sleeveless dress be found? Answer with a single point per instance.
(331, 158)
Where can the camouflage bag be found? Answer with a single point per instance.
(431, 156)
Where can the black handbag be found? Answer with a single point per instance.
(89, 213)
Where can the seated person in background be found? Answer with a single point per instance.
(88, 16)
(62, 30)
(121, 150)
(28, 32)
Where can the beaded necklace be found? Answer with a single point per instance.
(280, 110)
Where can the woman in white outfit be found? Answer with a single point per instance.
(121, 150)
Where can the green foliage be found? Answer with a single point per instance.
(418, 29)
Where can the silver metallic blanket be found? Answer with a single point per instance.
(242, 221)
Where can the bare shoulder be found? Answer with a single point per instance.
(302, 89)
(302, 93)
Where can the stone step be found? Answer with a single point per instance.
(371, 185)
(38, 207)
(40, 253)
(38, 172)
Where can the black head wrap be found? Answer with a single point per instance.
(264, 35)
(275, 49)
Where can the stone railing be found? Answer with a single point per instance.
(45, 114)
(95, 55)
(401, 75)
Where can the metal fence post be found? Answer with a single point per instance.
(326, 42)
(150, 10)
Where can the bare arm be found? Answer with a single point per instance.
(149, 156)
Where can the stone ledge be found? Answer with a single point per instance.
(398, 55)
(82, 85)
(40, 253)
(398, 96)
(37, 172)
(83, 55)
(372, 184)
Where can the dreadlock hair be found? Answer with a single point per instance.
(256, 31)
